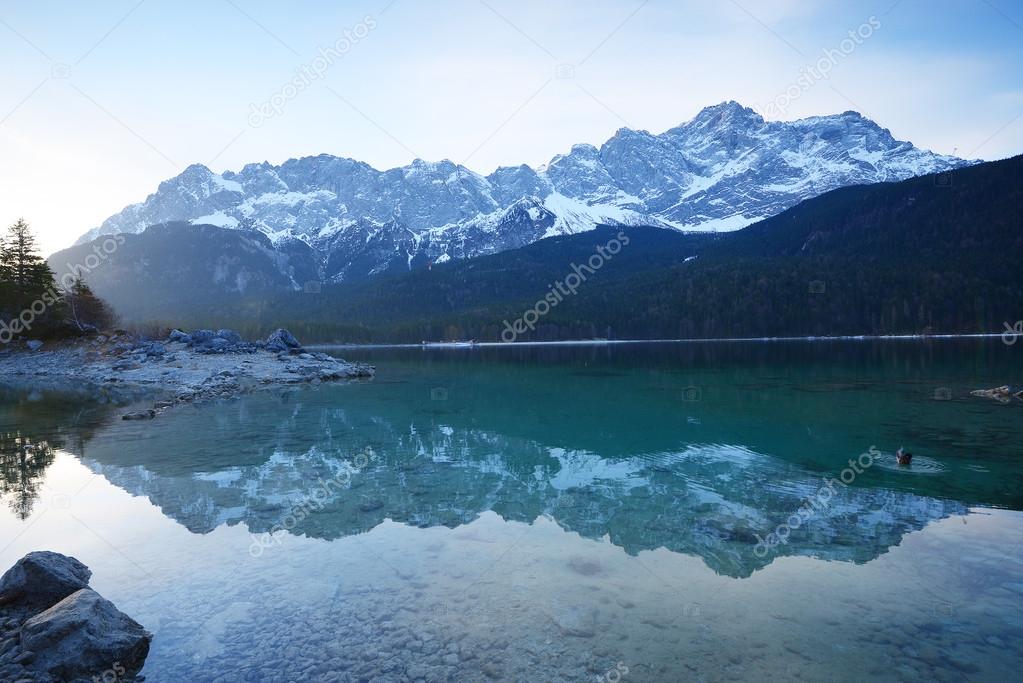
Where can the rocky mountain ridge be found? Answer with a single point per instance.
(723, 170)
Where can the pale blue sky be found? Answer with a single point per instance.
(100, 101)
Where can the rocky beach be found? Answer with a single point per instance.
(181, 368)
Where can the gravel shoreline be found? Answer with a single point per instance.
(124, 367)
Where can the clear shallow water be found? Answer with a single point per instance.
(556, 514)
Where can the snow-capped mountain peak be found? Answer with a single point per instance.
(722, 170)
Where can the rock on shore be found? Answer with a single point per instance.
(42, 579)
(184, 367)
(54, 628)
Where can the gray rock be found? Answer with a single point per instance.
(84, 635)
(203, 336)
(574, 620)
(230, 336)
(34, 344)
(42, 579)
(141, 415)
(155, 349)
(282, 340)
(179, 336)
(223, 341)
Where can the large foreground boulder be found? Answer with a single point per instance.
(84, 635)
(53, 627)
(43, 578)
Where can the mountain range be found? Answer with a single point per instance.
(330, 219)
(936, 253)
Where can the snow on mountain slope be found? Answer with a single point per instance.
(723, 170)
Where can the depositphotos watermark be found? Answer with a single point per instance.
(308, 73)
(820, 70)
(311, 502)
(815, 504)
(1012, 333)
(50, 297)
(115, 674)
(614, 674)
(559, 290)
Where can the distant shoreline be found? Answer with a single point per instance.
(702, 340)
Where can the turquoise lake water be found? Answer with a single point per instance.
(652, 512)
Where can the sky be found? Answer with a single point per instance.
(101, 101)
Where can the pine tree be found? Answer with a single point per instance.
(86, 309)
(22, 269)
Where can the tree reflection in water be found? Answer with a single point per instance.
(34, 427)
(23, 463)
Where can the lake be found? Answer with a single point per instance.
(648, 512)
